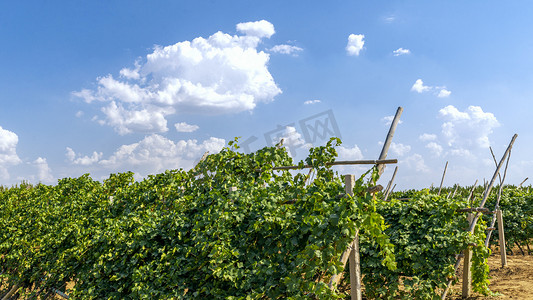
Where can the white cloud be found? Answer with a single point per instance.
(292, 140)
(443, 93)
(216, 75)
(355, 44)
(387, 120)
(399, 149)
(184, 127)
(401, 51)
(8, 152)
(44, 174)
(311, 102)
(416, 162)
(260, 29)
(77, 159)
(131, 74)
(434, 148)
(471, 128)
(155, 154)
(353, 153)
(419, 87)
(461, 152)
(389, 19)
(286, 49)
(439, 91)
(79, 114)
(428, 137)
(150, 118)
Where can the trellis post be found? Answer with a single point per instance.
(501, 237)
(467, 274)
(355, 260)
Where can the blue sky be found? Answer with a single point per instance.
(103, 87)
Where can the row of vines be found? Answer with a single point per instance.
(234, 228)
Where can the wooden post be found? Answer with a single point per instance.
(443, 175)
(501, 237)
(352, 253)
(520, 185)
(388, 140)
(482, 204)
(454, 191)
(355, 263)
(469, 200)
(11, 292)
(387, 192)
(467, 274)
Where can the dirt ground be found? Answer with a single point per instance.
(515, 281)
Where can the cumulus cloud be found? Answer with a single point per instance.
(443, 93)
(78, 159)
(260, 29)
(8, 152)
(387, 120)
(184, 127)
(311, 102)
(428, 137)
(286, 49)
(468, 129)
(401, 51)
(419, 87)
(216, 75)
(399, 149)
(355, 44)
(353, 153)
(416, 162)
(435, 148)
(439, 91)
(44, 173)
(155, 154)
(292, 140)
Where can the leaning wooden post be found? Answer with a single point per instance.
(476, 217)
(443, 175)
(387, 192)
(501, 237)
(11, 292)
(355, 262)
(520, 185)
(467, 274)
(388, 140)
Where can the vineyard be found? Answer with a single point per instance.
(247, 226)
(234, 228)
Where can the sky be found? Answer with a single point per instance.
(102, 87)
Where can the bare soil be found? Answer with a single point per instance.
(514, 281)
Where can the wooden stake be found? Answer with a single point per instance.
(501, 236)
(442, 180)
(388, 140)
(390, 184)
(340, 162)
(352, 253)
(11, 292)
(471, 193)
(476, 217)
(392, 190)
(497, 206)
(454, 191)
(467, 274)
(520, 185)
(355, 263)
